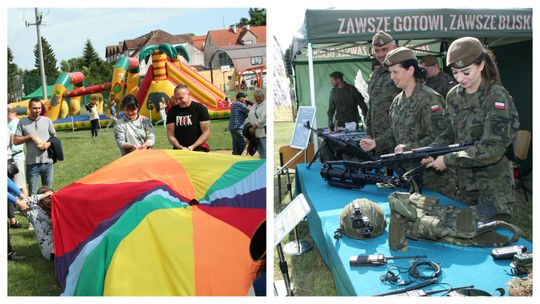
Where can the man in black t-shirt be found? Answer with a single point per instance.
(188, 122)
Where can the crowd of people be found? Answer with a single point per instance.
(413, 103)
(188, 128)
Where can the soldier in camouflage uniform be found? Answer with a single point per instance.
(416, 118)
(381, 88)
(480, 110)
(435, 78)
(344, 102)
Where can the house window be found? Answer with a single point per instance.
(257, 60)
(247, 42)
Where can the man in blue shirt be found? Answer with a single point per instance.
(239, 113)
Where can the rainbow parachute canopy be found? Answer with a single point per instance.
(160, 222)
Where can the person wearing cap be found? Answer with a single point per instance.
(133, 131)
(416, 117)
(344, 102)
(479, 110)
(381, 89)
(435, 78)
(239, 113)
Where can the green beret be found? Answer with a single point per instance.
(429, 60)
(463, 52)
(381, 38)
(398, 55)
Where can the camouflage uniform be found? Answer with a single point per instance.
(381, 91)
(416, 121)
(344, 103)
(484, 174)
(442, 83)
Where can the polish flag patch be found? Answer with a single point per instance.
(435, 107)
(500, 105)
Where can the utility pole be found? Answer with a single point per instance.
(39, 19)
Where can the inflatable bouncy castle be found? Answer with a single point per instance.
(169, 68)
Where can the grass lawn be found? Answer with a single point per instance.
(308, 272)
(34, 276)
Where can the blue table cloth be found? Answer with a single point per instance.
(461, 266)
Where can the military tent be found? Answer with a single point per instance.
(340, 40)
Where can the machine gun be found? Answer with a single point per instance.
(348, 174)
(346, 142)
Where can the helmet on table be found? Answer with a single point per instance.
(362, 219)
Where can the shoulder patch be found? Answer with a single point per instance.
(435, 107)
(500, 105)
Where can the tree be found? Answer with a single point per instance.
(89, 54)
(14, 76)
(49, 60)
(98, 72)
(257, 16)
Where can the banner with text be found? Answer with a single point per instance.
(360, 25)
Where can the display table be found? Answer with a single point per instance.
(461, 266)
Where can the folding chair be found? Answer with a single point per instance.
(286, 153)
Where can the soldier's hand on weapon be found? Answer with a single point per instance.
(367, 144)
(438, 164)
(427, 160)
(399, 148)
(331, 126)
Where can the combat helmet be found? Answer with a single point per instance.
(361, 219)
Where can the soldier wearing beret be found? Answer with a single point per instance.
(416, 118)
(344, 102)
(381, 89)
(435, 78)
(479, 110)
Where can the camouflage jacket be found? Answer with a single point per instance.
(441, 83)
(381, 92)
(490, 120)
(415, 121)
(344, 104)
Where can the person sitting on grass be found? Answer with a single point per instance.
(39, 214)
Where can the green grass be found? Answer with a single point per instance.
(308, 272)
(34, 276)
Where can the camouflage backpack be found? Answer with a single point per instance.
(417, 216)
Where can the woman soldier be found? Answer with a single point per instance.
(479, 110)
(416, 117)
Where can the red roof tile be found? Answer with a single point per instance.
(227, 37)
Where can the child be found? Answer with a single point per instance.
(39, 214)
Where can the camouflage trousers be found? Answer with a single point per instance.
(490, 203)
(441, 182)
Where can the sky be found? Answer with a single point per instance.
(67, 30)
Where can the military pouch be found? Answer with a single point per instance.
(449, 224)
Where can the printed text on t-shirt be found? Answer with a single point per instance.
(183, 121)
